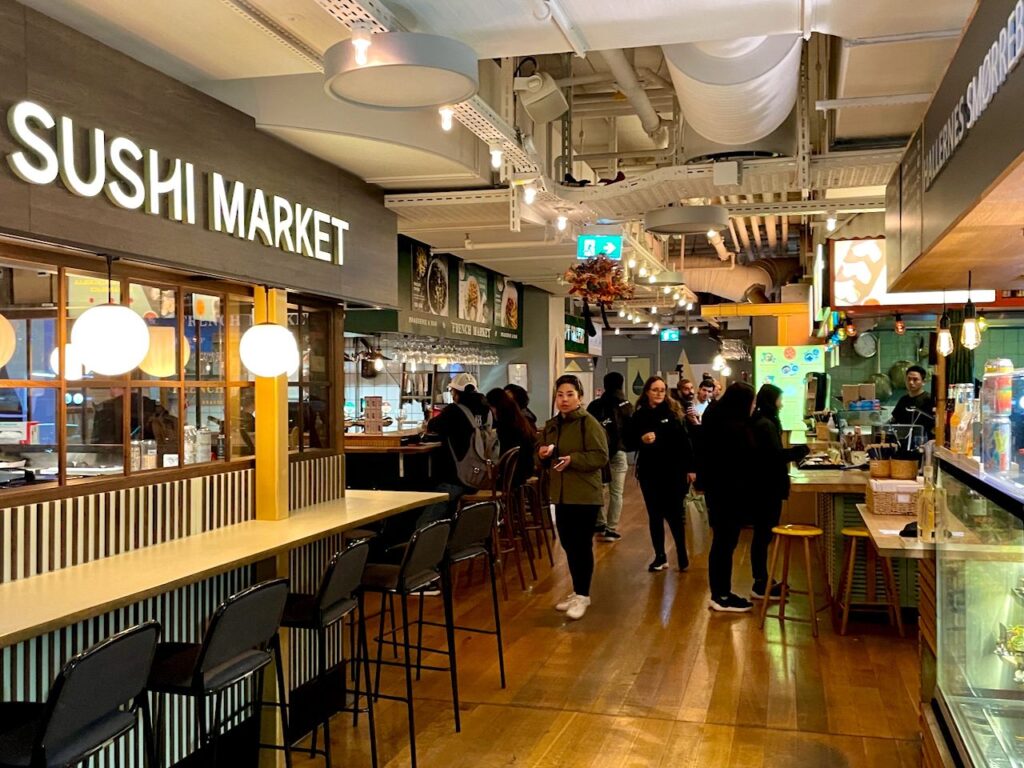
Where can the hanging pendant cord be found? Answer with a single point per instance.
(110, 279)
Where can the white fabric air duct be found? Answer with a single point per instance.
(739, 283)
(628, 82)
(738, 91)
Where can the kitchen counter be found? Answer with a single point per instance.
(829, 480)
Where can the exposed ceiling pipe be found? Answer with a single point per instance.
(755, 228)
(597, 78)
(784, 244)
(770, 224)
(739, 283)
(735, 239)
(626, 78)
(652, 77)
(742, 227)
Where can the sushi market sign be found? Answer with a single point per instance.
(135, 178)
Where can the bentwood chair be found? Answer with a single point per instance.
(96, 699)
(240, 642)
(339, 597)
(422, 568)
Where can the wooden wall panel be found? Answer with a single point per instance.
(312, 481)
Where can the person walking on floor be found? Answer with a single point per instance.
(613, 411)
(772, 464)
(664, 467)
(727, 453)
(573, 449)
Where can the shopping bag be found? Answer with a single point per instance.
(698, 530)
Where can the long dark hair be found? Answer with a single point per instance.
(734, 404)
(767, 403)
(644, 401)
(507, 412)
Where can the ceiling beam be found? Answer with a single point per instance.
(855, 102)
(807, 207)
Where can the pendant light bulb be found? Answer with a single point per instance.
(643, 272)
(622, 313)
(529, 194)
(727, 371)
(562, 222)
(616, 331)
(496, 155)
(970, 333)
(718, 363)
(631, 263)
(361, 41)
(899, 325)
(654, 310)
(378, 364)
(651, 279)
(447, 113)
(944, 343)
(831, 223)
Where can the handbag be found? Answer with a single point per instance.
(697, 526)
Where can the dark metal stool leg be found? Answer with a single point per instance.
(497, 616)
(408, 678)
(419, 637)
(322, 642)
(380, 643)
(148, 737)
(449, 626)
(365, 651)
(275, 645)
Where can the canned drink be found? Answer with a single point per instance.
(999, 365)
(995, 445)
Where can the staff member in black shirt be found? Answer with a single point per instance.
(917, 406)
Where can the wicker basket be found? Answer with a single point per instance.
(904, 469)
(880, 468)
(893, 497)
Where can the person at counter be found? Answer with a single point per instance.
(917, 406)
(514, 431)
(522, 398)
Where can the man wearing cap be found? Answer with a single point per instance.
(453, 429)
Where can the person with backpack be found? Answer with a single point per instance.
(665, 466)
(573, 449)
(470, 446)
(613, 411)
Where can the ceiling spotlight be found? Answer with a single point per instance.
(562, 222)
(361, 41)
(447, 113)
(718, 363)
(529, 194)
(667, 290)
(727, 371)
(496, 154)
(682, 302)
(629, 315)
(643, 272)
(617, 331)
(650, 324)
(654, 310)
(636, 319)
(830, 222)
(622, 313)
(652, 279)
(712, 234)
(631, 263)
(695, 330)
(654, 331)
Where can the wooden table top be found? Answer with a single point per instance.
(828, 480)
(885, 531)
(41, 604)
(406, 449)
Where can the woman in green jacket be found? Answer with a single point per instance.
(574, 449)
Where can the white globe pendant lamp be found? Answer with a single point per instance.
(111, 339)
(268, 349)
(8, 341)
(161, 360)
(72, 362)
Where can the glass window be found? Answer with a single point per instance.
(28, 436)
(95, 431)
(309, 390)
(204, 329)
(158, 306)
(242, 407)
(204, 425)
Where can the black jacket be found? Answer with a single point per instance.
(918, 410)
(508, 438)
(727, 462)
(613, 410)
(453, 428)
(670, 456)
(772, 460)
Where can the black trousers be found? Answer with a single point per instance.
(726, 523)
(665, 499)
(575, 523)
(765, 518)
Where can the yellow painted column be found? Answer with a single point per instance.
(272, 420)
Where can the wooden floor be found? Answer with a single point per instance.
(651, 677)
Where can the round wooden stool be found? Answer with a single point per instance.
(785, 535)
(851, 536)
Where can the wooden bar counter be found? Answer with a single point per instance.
(43, 603)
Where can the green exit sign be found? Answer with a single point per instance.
(589, 246)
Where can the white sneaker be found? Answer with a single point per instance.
(578, 607)
(565, 603)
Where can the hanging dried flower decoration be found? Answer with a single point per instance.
(601, 281)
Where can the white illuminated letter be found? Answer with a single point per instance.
(339, 239)
(283, 216)
(155, 186)
(259, 222)
(226, 214)
(302, 242)
(44, 169)
(131, 194)
(190, 193)
(321, 238)
(95, 160)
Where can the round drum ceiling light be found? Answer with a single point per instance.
(687, 220)
(402, 70)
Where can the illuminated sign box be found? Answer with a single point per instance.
(670, 334)
(589, 246)
(860, 279)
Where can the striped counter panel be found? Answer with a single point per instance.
(311, 481)
(38, 538)
(306, 568)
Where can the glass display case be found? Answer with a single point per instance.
(980, 612)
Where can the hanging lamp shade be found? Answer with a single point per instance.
(72, 361)
(687, 219)
(8, 340)
(401, 70)
(160, 360)
(268, 350)
(111, 339)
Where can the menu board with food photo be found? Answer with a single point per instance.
(473, 304)
(429, 281)
(506, 303)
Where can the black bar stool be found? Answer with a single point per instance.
(240, 642)
(471, 538)
(421, 568)
(338, 597)
(95, 700)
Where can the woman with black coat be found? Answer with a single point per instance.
(772, 462)
(727, 456)
(664, 467)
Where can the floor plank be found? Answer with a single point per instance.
(650, 677)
